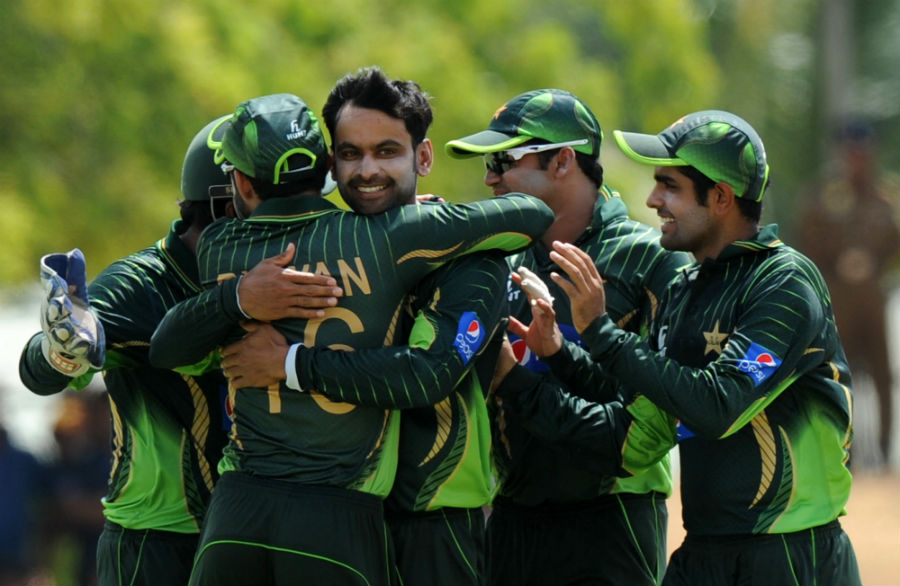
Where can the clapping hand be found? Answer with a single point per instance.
(542, 336)
(584, 286)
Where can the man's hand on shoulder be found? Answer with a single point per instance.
(271, 291)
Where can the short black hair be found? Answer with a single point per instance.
(196, 213)
(371, 88)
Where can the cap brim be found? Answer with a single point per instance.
(486, 141)
(646, 148)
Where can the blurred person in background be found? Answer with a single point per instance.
(849, 228)
(77, 483)
(23, 493)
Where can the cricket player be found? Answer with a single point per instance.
(744, 358)
(303, 476)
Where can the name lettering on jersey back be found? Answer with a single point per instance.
(347, 275)
(352, 279)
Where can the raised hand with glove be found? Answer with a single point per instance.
(73, 336)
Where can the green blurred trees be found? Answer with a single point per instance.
(100, 99)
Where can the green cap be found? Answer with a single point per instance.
(549, 114)
(276, 139)
(199, 171)
(719, 144)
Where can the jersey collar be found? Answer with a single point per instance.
(765, 239)
(291, 207)
(179, 256)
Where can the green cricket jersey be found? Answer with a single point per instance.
(458, 315)
(168, 429)
(745, 354)
(306, 437)
(535, 467)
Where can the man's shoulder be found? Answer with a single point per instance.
(469, 267)
(624, 235)
(137, 265)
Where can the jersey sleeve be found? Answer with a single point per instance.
(36, 373)
(577, 371)
(460, 311)
(507, 223)
(617, 439)
(189, 335)
(768, 349)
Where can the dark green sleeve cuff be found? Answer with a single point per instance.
(228, 300)
(601, 336)
(36, 373)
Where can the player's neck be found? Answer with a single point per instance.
(190, 237)
(574, 211)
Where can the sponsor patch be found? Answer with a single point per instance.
(525, 356)
(227, 408)
(759, 363)
(530, 360)
(469, 336)
(683, 432)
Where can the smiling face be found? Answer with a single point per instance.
(376, 165)
(685, 223)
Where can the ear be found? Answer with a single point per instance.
(242, 182)
(565, 160)
(722, 198)
(246, 190)
(424, 157)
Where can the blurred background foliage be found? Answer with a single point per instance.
(100, 99)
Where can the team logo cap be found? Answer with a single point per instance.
(276, 139)
(552, 115)
(719, 144)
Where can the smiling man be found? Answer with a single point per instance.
(304, 476)
(552, 500)
(743, 354)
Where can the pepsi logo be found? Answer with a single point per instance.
(521, 351)
(469, 336)
(473, 332)
(759, 363)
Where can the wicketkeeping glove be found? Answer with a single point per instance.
(73, 336)
(534, 285)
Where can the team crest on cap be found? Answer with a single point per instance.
(760, 363)
(469, 336)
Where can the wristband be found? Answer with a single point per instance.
(237, 296)
(290, 368)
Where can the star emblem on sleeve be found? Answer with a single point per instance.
(714, 340)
